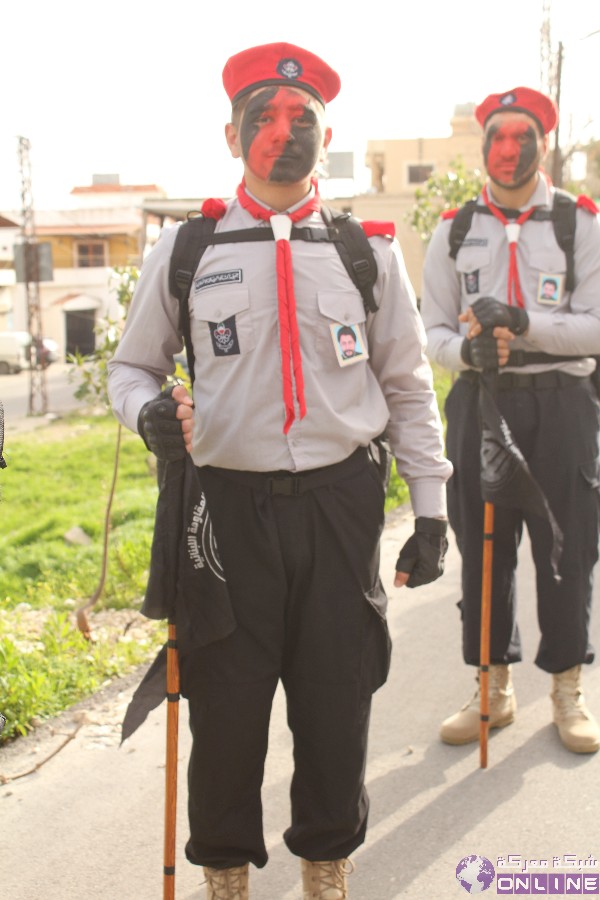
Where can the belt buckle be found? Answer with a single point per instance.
(287, 486)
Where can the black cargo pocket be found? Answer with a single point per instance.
(591, 475)
(378, 644)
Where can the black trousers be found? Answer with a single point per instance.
(556, 429)
(301, 558)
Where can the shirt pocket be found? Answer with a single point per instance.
(473, 266)
(338, 308)
(222, 321)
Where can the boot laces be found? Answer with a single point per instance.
(498, 683)
(331, 874)
(569, 703)
(568, 695)
(226, 884)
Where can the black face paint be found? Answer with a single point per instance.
(281, 135)
(511, 153)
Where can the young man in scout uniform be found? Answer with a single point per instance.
(486, 309)
(279, 431)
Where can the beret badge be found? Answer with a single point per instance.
(289, 68)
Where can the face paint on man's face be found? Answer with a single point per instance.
(281, 135)
(511, 152)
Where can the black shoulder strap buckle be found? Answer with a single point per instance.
(355, 252)
(564, 216)
(191, 241)
(460, 227)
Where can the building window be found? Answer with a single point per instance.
(91, 255)
(419, 174)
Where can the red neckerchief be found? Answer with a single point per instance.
(512, 228)
(289, 335)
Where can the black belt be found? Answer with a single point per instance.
(291, 484)
(539, 381)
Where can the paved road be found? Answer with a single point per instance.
(88, 824)
(60, 394)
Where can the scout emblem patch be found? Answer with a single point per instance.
(224, 337)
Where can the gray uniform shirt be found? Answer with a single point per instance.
(239, 411)
(562, 323)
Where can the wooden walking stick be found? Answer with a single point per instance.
(484, 646)
(171, 763)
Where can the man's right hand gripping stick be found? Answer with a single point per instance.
(160, 428)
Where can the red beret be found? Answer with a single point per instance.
(521, 99)
(279, 64)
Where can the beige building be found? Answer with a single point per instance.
(103, 228)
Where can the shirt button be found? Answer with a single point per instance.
(218, 314)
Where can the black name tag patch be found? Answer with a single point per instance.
(234, 276)
(224, 337)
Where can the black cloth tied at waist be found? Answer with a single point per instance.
(292, 484)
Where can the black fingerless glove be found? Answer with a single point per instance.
(491, 312)
(423, 553)
(160, 428)
(481, 351)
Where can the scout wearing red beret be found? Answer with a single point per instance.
(521, 99)
(276, 64)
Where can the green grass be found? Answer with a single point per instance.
(58, 477)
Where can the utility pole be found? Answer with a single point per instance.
(546, 74)
(38, 401)
(557, 159)
(550, 79)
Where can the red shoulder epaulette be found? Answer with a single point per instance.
(449, 213)
(383, 229)
(213, 208)
(585, 202)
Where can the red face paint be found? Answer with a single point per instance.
(511, 152)
(281, 135)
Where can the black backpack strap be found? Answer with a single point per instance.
(190, 243)
(460, 227)
(198, 232)
(355, 252)
(564, 216)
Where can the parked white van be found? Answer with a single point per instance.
(14, 351)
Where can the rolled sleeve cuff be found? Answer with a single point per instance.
(428, 498)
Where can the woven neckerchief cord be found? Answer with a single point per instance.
(289, 336)
(512, 229)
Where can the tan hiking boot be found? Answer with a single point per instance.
(576, 725)
(325, 880)
(463, 726)
(227, 884)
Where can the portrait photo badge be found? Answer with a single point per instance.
(550, 289)
(348, 344)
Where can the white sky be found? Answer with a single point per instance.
(134, 87)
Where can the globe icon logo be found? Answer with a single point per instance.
(475, 873)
